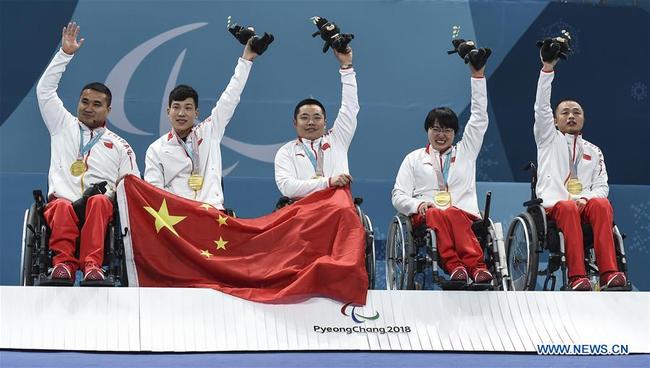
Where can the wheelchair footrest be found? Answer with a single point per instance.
(453, 285)
(627, 287)
(44, 280)
(109, 281)
(477, 286)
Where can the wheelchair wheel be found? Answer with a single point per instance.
(521, 250)
(400, 250)
(370, 251)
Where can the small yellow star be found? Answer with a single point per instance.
(164, 219)
(222, 220)
(221, 244)
(206, 206)
(206, 253)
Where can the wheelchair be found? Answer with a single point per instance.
(370, 236)
(36, 258)
(532, 233)
(411, 255)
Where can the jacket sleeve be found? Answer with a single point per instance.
(229, 99)
(402, 195)
(544, 127)
(286, 177)
(599, 187)
(346, 121)
(153, 169)
(51, 106)
(128, 164)
(478, 121)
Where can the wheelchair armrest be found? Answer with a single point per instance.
(358, 201)
(533, 202)
(39, 200)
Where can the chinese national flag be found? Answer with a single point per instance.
(314, 247)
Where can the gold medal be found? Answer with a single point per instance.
(574, 186)
(196, 182)
(77, 168)
(442, 199)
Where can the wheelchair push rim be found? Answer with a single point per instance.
(395, 255)
(521, 253)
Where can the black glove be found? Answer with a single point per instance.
(554, 48)
(331, 34)
(79, 205)
(283, 202)
(260, 44)
(243, 34)
(469, 53)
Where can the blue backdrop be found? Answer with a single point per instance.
(141, 49)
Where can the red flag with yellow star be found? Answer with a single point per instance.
(314, 247)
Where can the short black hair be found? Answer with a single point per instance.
(566, 99)
(181, 93)
(445, 117)
(308, 101)
(101, 88)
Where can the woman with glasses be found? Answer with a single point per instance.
(437, 184)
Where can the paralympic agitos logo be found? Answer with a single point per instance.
(350, 310)
(357, 317)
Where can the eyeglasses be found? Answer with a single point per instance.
(447, 131)
(306, 119)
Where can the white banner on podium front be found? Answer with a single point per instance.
(185, 320)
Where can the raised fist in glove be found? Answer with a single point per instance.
(243, 34)
(331, 34)
(469, 53)
(555, 48)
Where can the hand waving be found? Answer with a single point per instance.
(69, 42)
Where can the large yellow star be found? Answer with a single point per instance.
(221, 244)
(222, 220)
(164, 219)
(206, 253)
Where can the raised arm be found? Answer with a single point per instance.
(54, 113)
(346, 121)
(478, 120)
(544, 122)
(229, 99)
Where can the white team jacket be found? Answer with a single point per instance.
(168, 167)
(110, 159)
(416, 180)
(555, 151)
(294, 170)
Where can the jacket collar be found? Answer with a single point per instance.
(308, 142)
(571, 138)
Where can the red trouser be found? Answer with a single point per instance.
(599, 213)
(457, 244)
(63, 221)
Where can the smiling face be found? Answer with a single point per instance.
(440, 138)
(93, 108)
(569, 117)
(310, 122)
(181, 115)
